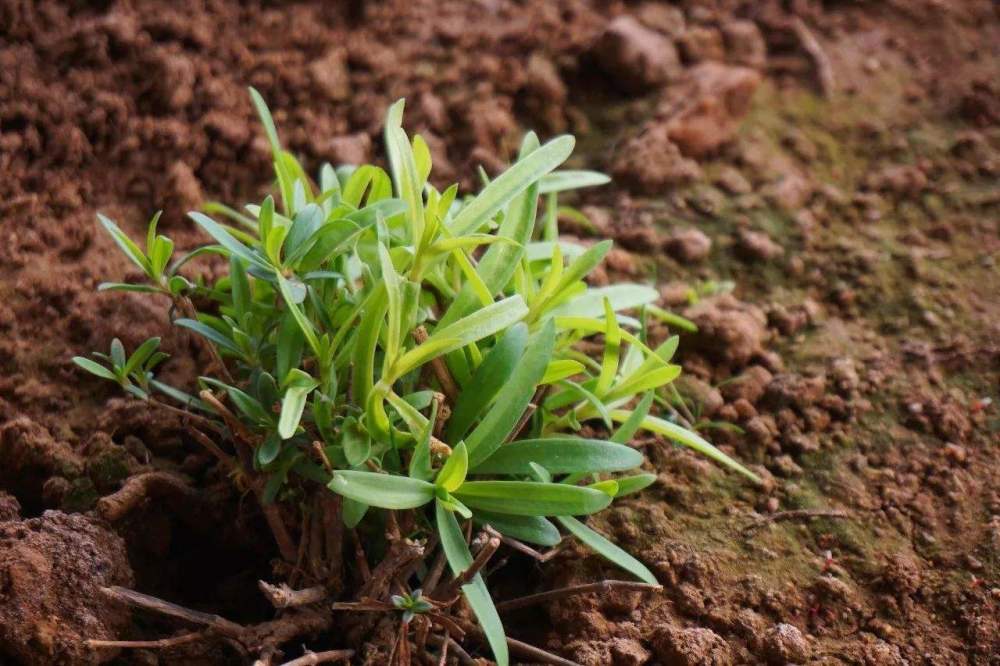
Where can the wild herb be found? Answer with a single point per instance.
(416, 351)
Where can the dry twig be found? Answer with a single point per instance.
(604, 586)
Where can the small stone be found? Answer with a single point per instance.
(749, 385)
(699, 44)
(696, 646)
(785, 644)
(351, 149)
(330, 74)
(745, 44)
(639, 58)
(732, 181)
(786, 467)
(688, 246)
(757, 246)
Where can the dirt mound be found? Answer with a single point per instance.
(51, 569)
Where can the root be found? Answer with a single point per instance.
(824, 70)
(312, 658)
(798, 514)
(136, 489)
(282, 596)
(602, 587)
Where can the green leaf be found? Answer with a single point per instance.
(353, 512)
(599, 544)
(250, 407)
(118, 353)
(622, 297)
(489, 377)
(517, 393)
(686, 438)
(94, 368)
(628, 485)
(125, 286)
(269, 450)
(304, 324)
(452, 474)
(357, 444)
(225, 239)
(510, 183)
(478, 325)
(641, 383)
(382, 490)
(560, 455)
(126, 244)
(294, 403)
(139, 356)
(561, 181)
(530, 498)
(530, 529)
(266, 120)
(561, 369)
(460, 559)
(210, 334)
(628, 429)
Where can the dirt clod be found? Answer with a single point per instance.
(691, 647)
(638, 58)
(785, 644)
(50, 571)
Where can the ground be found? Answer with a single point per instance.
(813, 184)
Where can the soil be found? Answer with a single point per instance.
(813, 184)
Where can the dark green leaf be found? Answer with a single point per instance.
(560, 455)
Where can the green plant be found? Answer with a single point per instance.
(416, 351)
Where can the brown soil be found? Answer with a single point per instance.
(816, 187)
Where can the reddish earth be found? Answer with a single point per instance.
(814, 184)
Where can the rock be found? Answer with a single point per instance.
(330, 74)
(350, 149)
(638, 58)
(744, 44)
(688, 246)
(705, 113)
(790, 390)
(173, 80)
(661, 18)
(51, 570)
(791, 192)
(434, 111)
(10, 508)
(544, 80)
(729, 331)
(786, 467)
(703, 395)
(628, 652)
(748, 385)
(732, 181)
(784, 644)
(880, 653)
(690, 647)
(183, 192)
(757, 246)
(651, 163)
(700, 43)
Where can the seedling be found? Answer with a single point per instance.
(416, 352)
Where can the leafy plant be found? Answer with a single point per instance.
(414, 350)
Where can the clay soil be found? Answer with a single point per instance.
(814, 184)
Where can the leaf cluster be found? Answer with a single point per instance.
(431, 344)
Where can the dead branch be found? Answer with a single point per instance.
(797, 514)
(401, 553)
(482, 557)
(448, 385)
(282, 596)
(811, 45)
(160, 644)
(137, 488)
(212, 448)
(537, 655)
(449, 644)
(312, 658)
(146, 602)
(604, 587)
